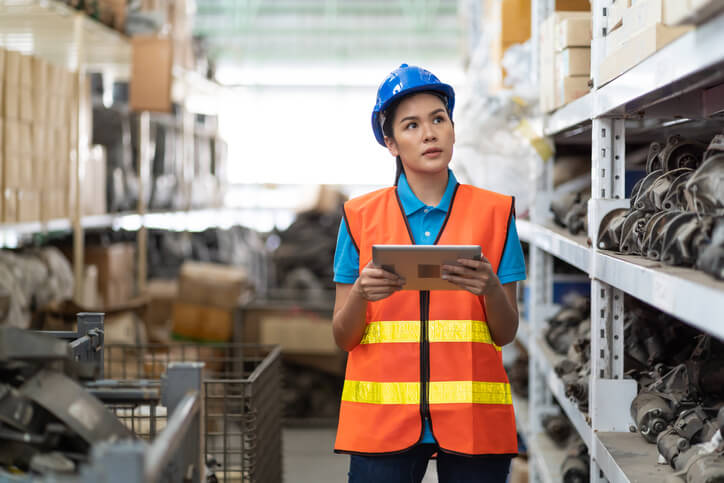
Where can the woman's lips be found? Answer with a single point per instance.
(431, 153)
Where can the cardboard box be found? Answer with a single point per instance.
(2, 64)
(615, 14)
(573, 32)
(573, 5)
(151, 74)
(676, 12)
(574, 61)
(515, 21)
(201, 322)
(212, 284)
(570, 88)
(11, 171)
(28, 205)
(641, 15)
(26, 71)
(161, 294)
(299, 334)
(115, 270)
(40, 75)
(40, 107)
(11, 135)
(11, 102)
(10, 205)
(93, 191)
(636, 49)
(12, 67)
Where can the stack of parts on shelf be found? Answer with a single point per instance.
(35, 114)
(518, 373)
(575, 466)
(565, 58)
(677, 210)
(571, 211)
(634, 31)
(29, 281)
(48, 422)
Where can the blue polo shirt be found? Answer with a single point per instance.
(425, 223)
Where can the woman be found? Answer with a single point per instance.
(424, 372)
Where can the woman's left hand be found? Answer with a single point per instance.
(475, 276)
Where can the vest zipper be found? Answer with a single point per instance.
(424, 355)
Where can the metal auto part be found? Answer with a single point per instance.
(643, 200)
(655, 232)
(53, 462)
(557, 427)
(681, 153)
(632, 230)
(575, 467)
(651, 413)
(71, 404)
(704, 191)
(675, 199)
(609, 231)
(653, 198)
(570, 210)
(684, 236)
(15, 410)
(691, 427)
(23, 345)
(711, 256)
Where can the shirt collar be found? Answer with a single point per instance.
(410, 202)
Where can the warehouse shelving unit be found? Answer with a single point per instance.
(671, 83)
(63, 36)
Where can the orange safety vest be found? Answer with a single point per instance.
(428, 353)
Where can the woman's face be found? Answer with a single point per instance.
(423, 134)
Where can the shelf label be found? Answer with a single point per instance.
(663, 294)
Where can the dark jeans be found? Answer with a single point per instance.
(409, 467)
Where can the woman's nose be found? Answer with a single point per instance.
(428, 133)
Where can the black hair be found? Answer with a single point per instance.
(387, 126)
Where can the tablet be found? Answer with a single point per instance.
(420, 265)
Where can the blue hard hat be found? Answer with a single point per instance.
(403, 81)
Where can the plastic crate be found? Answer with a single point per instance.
(242, 402)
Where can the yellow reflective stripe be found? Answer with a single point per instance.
(474, 392)
(381, 392)
(459, 331)
(392, 331)
(389, 331)
(446, 392)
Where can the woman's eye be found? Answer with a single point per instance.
(412, 125)
(438, 120)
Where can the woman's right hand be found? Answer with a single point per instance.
(375, 283)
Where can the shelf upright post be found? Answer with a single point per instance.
(79, 157)
(607, 311)
(144, 163)
(600, 9)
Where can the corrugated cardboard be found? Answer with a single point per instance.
(676, 12)
(40, 75)
(40, 107)
(515, 21)
(573, 5)
(12, 100)
(212, 284)
(570, 88)
(26, 71)
(574, 61)
(26, 104)
(2, 65)
(12, 67)
(641, 15)
(11, 138)
(201, 322)
(299, 334)
(28, 205)
(636, 49)
(10, 205)
(573, 32)
(151, 74)
(161, 294)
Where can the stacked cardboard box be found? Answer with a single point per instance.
(635, 30)
(115, 271)
(678, 12)
(208, 295)
(565, 58)
(35, 156)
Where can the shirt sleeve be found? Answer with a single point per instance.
(346, 257)
(512, 263)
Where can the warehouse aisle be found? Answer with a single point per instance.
(308, 457)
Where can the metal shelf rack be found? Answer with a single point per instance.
(670, 84)
(66, 37)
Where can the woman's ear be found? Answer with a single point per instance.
(391, 146)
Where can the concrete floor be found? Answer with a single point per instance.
(309, 457)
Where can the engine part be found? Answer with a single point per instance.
(652, 414)
(570, 210)
(655, 231)
(670, 444)
(15, 411)
(691, 427)
(642, 201)
(681, 153)
(653, 198)
(711, 256)
(684, 237)
(575, 467)
(22, 345)
(706, 469)
(557, 427)
(610, 229)
(632, 231)
(704, 190)
(70, 403)
(675, 198)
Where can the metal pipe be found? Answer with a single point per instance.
(171, 438)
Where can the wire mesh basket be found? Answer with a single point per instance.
(242, 401)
